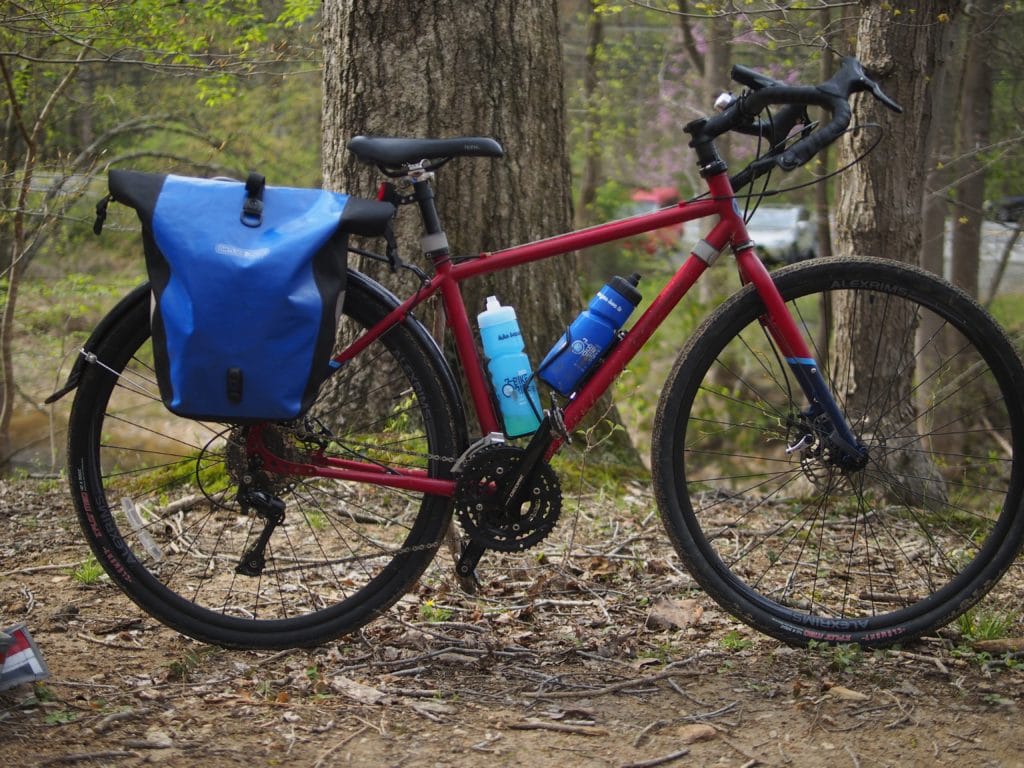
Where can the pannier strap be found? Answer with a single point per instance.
(252, 208)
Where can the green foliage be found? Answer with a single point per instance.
(88, 573)
(840, 657)
(433, 613)
(60, 717)
(980, 624)
(735, 641)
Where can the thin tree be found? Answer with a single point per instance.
(974, 134)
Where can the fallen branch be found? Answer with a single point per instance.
(658, 760)
(613, 688)
(543, 725)
(78, 757)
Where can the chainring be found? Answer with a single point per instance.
(485, 480)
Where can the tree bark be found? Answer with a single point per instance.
(446, 68)
(945, 96)
(975, 119)
(591, 176)
(879, 209)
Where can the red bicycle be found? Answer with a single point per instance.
(834, 451)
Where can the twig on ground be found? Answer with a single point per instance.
(115, 717)
(78, 757)
(41, 568)
(542, 725)
(328, 752)
(921, 657)
(669, 672)
(658, 760)
(613, 688)
(109, 644)
(643, 734)
(702, 716)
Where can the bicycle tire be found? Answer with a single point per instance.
(804, 551)
(155, 493)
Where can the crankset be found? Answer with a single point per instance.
(501, 509)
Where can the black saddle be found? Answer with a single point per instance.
(395, 152)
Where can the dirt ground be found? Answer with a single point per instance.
(593, 651)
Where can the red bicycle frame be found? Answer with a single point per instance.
(729, 231)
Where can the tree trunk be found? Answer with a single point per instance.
(879, 210)
(944, 94)
(591, 177)
(975, 118)
(719, 281)
(944, 90)
(446, 68)
(822, 204)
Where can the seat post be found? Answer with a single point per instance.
(434, 241)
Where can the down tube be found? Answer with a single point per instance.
(638, 335)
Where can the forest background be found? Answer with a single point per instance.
(223, 88)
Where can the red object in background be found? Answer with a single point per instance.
(647, 200)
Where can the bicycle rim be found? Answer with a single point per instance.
(780, 535)
(157, 494)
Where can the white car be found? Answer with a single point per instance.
(783, 233)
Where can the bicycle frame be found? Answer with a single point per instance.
(729, 231)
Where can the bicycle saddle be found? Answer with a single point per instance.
(393, 151)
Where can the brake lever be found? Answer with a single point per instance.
(878, 93)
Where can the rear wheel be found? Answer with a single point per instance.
(157, 494)
(765, 516)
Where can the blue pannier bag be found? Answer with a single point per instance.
(248, 282)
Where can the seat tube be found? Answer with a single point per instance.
(434, 243)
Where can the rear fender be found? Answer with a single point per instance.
(126, 305)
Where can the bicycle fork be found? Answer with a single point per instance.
(846, 451)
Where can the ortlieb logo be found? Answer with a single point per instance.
(226, 249)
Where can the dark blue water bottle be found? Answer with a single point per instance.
(590, 335)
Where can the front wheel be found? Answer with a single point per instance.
(769, 520)
(157, 495)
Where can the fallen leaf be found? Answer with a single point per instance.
(364, 694)
(674, 614)
(690, 734)
(841, 692)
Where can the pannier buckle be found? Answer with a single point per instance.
(252, 208)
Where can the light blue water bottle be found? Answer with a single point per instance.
(590, 335)
(511, 374)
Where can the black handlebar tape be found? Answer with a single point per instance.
(750, 78)
(808, 147)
